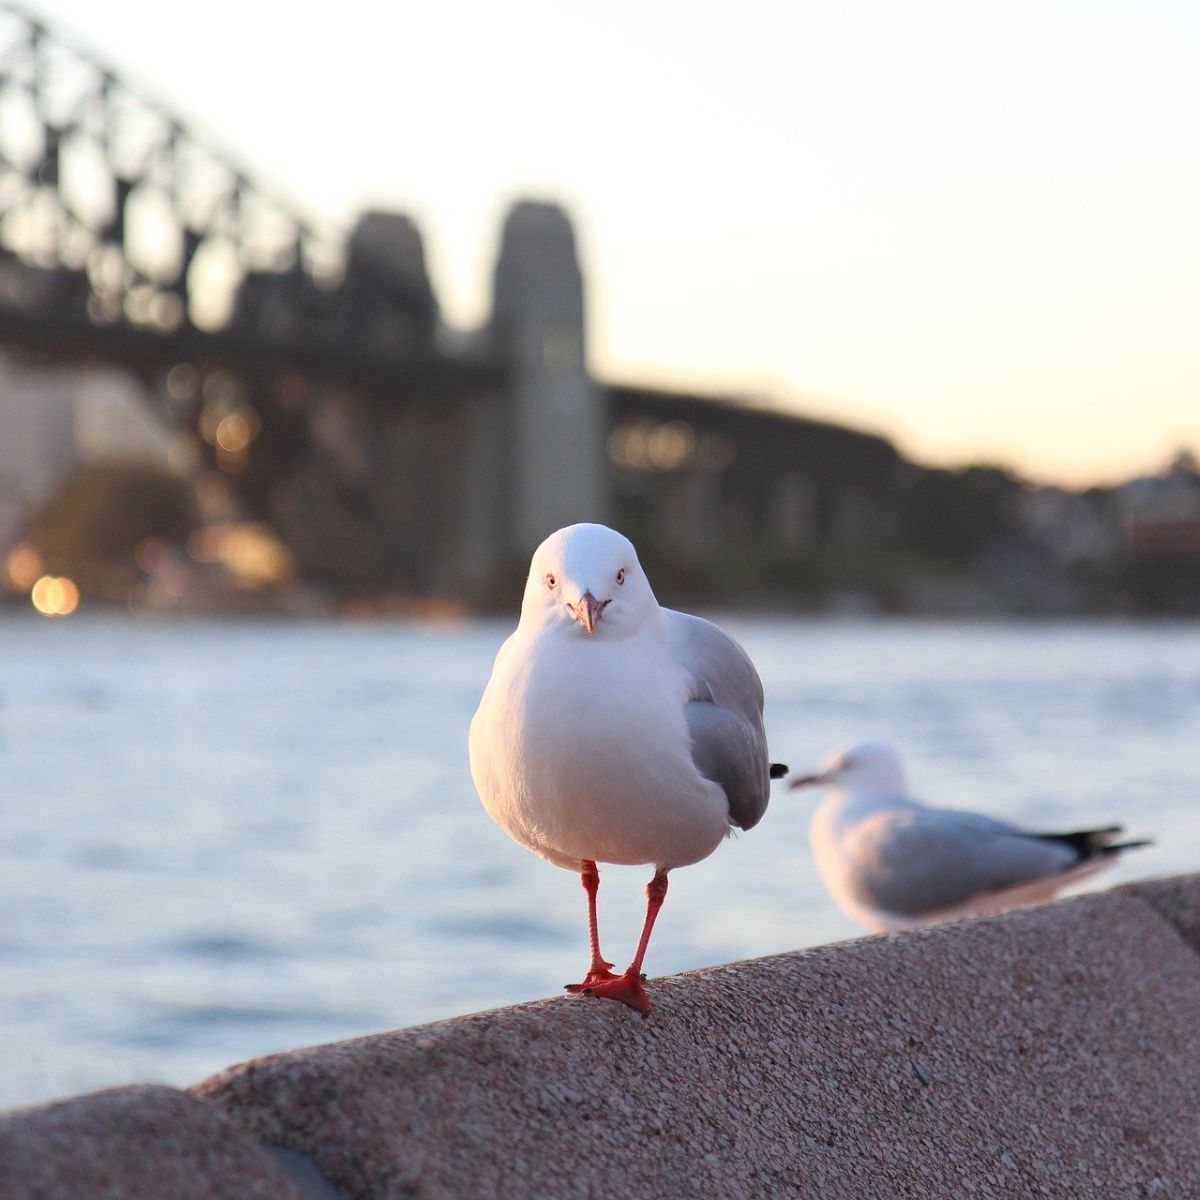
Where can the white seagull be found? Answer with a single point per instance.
(891, 863)
(614, 730)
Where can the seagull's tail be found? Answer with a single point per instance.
(1096, 843)
(778, 770)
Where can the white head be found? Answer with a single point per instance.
(587, 579)
(870, 767)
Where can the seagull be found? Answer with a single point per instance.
(614, 730)
(891, 863)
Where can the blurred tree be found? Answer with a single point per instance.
(91, 527)
(955, 514)
(1184, 462)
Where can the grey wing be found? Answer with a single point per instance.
(724, 715)
(912, 860)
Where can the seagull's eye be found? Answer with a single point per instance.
(621, 575)
(846, 764)
(550, 580)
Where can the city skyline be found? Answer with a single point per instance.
(971, 232)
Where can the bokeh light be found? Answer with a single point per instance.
(252, 553)
(645, 444)
(55, 596)
(24, 566)
(234, 432)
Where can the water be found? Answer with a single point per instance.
(219, 840)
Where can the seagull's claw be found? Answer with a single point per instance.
(626, 988)
(592, 978)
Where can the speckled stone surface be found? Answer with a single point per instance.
(1178, 900)
(133, 1143)
(1053, 1052)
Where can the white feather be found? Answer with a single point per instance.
(580, 748)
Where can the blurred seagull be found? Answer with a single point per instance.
(891, 863)
(614, 730)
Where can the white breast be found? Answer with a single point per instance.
(580, 750)
(835, 816)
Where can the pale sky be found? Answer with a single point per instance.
(974, 227)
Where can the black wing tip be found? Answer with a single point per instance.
(1120, 847)
(1085, 842)
(1091, 844)
(778, 770)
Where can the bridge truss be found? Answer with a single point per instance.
(127, 240)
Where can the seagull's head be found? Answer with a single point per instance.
(587, 579)
(866, 767)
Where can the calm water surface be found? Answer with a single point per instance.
(219, 840)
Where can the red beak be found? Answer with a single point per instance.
(587, 611)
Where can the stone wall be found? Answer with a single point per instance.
(1052, 1052)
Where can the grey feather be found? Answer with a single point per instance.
(724, 715)
(911, 860)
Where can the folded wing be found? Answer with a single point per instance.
(913, 860)
(724, 715)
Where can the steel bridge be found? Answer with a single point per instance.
(123, 234)
(387, 451)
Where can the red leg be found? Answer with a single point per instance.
(599, 971)
(628, 987)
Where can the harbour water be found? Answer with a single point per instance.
(222, 839)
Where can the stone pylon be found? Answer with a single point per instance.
(557, 471)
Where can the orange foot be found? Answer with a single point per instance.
(599, 973)
(627, 988)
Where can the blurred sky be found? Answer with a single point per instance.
(975, 227)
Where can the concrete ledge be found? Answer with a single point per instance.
(1177, 900)
(133, 1143)
(1047, 1053)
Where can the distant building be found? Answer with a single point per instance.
(37, 439)
(53, 418)
(1160, 514)
(1073, 528)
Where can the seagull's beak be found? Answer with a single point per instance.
(800, 781)
(587, 610)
